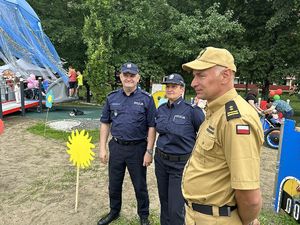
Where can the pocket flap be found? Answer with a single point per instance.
(207, 143)
(178, 119)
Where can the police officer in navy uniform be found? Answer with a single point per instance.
(129, 114)
(177, 123)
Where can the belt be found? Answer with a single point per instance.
(208, 209)
(170, 157)
(123, 142)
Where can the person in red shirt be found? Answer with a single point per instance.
(72, 81)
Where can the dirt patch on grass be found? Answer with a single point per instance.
(37, 182)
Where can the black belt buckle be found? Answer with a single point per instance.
(122, 142)
(226, 210)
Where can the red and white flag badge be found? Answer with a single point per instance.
(242, 129)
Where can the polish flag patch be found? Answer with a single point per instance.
(242, 129)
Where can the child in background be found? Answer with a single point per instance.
(17, 89)
(79, 82)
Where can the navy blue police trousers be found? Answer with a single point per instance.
(169, 176)
(130, 156)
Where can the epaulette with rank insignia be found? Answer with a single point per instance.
(231, 111)
(115, 91)
(189, 104)
(146, 93)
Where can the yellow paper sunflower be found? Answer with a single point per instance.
(80, 149)
(50, 98)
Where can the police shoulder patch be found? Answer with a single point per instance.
(231, 111)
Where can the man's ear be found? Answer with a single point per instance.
(227, 76)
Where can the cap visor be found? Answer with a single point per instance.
(130, 71)
(197, 65)
(171, 82)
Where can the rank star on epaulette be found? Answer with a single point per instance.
(232, 111)
(242, 129)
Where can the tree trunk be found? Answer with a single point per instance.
(246, 88)
(147, 84)
(265, 89)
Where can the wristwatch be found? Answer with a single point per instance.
(150, 151)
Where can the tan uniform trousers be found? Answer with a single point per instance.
(196, 218)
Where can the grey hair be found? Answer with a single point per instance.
(219, 69)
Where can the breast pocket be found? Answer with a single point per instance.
(180, 125)
(115, 111)
(138, 113)
(161, 122)
(208, 155)
(179, 120)
(207, 143)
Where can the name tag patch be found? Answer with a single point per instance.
(242, 129)
(179, 117)
(138, 103)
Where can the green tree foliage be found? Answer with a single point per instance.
(153, 34)
(285, 25)
(63, 22)
(268, 49)
(160, 35)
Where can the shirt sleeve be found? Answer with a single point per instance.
(243, 142)
(197, 117)
(105, 116)
(151, 113)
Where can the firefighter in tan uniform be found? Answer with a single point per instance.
(221, 179)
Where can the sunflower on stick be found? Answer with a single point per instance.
(81, 154)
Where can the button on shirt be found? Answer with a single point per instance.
(224, 157)
(130, 116)
(177, 125)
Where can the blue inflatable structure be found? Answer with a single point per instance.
(22, 37)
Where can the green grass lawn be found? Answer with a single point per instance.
(38, 129)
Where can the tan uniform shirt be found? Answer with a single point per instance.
(226, 155)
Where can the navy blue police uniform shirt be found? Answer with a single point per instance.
(177, 125)
(130, 116)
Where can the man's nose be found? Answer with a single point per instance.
(194, 83)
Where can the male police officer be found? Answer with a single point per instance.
(221, 179)
(131, 113)
(177, 123)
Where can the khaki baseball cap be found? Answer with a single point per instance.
(210, 57)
